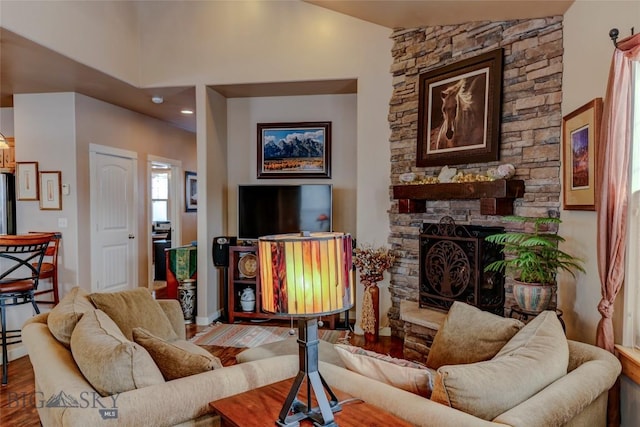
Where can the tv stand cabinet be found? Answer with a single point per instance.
(242, 275)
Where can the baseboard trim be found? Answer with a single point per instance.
(16, 351)
(204, 321)
(383, 332)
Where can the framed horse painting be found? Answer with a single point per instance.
(459, 112)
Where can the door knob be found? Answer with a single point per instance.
(131, 236)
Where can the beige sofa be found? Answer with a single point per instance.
(577, 399)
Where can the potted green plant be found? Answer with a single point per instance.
(533, 259)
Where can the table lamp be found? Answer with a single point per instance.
(307, 275)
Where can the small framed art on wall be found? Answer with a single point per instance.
(580, 133)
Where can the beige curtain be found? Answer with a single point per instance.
(612, 184)
(613, 169)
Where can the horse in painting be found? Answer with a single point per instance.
(461, 114)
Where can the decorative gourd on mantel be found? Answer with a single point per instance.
(496, 197)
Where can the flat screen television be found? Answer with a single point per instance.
(276, 209)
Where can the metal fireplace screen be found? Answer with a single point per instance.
(452, 260)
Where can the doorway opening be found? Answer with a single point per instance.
(164, 215)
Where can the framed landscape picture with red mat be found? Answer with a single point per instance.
(580, 133)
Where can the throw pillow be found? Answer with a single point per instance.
(107, 359)
(66, 314)
(135, 308)
(535, 357)
(399, 373)
(176, 359)
(470, 335)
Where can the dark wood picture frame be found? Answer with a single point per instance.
(294, 150)
(190, 191)
(580, 135)
(459, 108)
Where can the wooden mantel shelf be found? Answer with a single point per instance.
(496, 197)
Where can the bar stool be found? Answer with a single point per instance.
(49, 268)
(20, 262)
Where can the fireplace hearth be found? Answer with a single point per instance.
(452, 261)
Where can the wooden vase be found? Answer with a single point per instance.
(375, 299)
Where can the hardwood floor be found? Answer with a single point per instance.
(18, 399)
(17, 405)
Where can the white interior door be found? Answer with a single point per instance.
(113, 219)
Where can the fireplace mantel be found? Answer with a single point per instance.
(496, 197)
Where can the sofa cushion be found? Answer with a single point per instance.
(107, 359)
(534, 358)
(178, 358)
(66, 314)
(326, 351)
(470, 335)
(399, 373)
(135, 308)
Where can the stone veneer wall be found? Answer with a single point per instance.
(530, 127)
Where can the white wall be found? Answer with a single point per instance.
(587, 58)
(219, 42)
(51, 143)
(6, 121)
(340, 110)
(97, 33)
(212, 219)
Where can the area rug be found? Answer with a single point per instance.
(247, 336)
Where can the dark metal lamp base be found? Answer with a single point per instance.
(294, 410)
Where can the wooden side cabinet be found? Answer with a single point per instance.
(244, 273)
(8, 156)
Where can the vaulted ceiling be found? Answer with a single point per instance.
(419, 13)
(26, 67)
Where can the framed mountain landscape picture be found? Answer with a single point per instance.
(294, 150)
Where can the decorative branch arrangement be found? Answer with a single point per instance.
(371, 263)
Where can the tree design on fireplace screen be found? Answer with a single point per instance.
(452, 260)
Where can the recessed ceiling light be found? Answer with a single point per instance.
(157, 99)
(186, 111)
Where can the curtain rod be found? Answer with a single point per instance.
(614, 33)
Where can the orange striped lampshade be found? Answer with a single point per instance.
(306, 274)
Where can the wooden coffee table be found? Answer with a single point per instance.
(260, 407)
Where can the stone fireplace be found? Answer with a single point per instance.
(530, 132)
